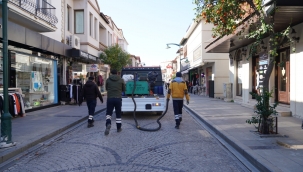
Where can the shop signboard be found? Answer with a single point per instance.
(84, 54)
(92, 57)
(92, 68)
(263, 65)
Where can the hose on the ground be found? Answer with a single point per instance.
(135, 108)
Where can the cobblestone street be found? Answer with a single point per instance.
(191, 148)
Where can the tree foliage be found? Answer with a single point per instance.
(228, 15)
(225, 14)
(116, 57)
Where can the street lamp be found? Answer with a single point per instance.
(6, 118)
(180, 51)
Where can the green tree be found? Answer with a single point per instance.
(116, 57)
(228, 16)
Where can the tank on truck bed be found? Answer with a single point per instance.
(149, 94)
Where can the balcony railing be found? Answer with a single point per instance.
(40, 8)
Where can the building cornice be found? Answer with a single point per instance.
(89, 44)
(94, 7)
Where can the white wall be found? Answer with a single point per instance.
(193, 43)
(57, 35)
(296, 71)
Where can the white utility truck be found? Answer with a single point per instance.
(149, 94)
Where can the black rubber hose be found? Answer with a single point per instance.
(135, 107)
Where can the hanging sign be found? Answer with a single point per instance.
(92, 68)
(263, 65)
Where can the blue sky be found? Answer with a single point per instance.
(148, 25)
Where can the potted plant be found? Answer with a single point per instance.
(264, 112)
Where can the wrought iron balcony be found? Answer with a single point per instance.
(39, 8)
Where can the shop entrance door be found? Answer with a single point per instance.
(284, 79)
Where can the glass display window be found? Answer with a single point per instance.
(1, 69)
(35, 76)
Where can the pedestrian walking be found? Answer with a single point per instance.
(167, 84)
(177, 90)
(90, 92)
(115, 86)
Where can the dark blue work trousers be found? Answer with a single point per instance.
(91, 105)
(178, 105)
(111, 104)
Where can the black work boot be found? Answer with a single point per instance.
(119, 129)
(90, 122)
(177, 123)
(89, 125)
(108, 126)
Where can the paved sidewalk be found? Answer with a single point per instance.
(284, 152)
(39, 126)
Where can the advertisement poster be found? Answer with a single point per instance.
(92, 68)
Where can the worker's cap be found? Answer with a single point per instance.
(114, 71)
(178, 74)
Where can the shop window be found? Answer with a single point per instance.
(35, 76)
(1, 69)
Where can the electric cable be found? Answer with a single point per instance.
(135, 107)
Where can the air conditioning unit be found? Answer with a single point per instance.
(74, 41)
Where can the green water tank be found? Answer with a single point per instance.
(141, 87)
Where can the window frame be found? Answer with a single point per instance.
(68, 18)
(75, 23)
(96, 28)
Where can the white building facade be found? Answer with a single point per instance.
(246, 74)
(206, 69)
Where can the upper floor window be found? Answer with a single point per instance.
(68, 18)
(79, 21)
(96, 27)
(110, 39)
(91, 24)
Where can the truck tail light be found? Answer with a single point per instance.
(156, 104)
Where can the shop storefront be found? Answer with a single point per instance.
(33, 76)
(35, 65)
(78, 69)
(81, 65)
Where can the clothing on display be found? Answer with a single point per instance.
(69, 75)
(75, 92)
(16, 104)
